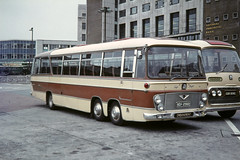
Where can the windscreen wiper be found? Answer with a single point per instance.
(222, 69)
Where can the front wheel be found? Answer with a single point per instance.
(227, 114)
(50, 103)
(116, 114)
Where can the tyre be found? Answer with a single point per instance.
(116, 114)
(227, 114)
(98, 110)
(50, 103)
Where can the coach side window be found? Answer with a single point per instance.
(44, 66)
(140, 68)
(56, 63)
(112, 64)
(71, 65)
(128, 63)
(91, 64)
(36, 66)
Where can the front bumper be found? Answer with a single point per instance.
(223, 107)
(173, 116)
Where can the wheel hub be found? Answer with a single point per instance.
(97, 110)
(115, 113)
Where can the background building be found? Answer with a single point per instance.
(82, 24)
(16, 56)
(148, 18)
(222, 21)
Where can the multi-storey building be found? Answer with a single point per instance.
(82, 23)
(222, 21)
(15, 54)
(181, 19)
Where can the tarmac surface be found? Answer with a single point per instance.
(30, 131)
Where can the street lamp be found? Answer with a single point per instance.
(105, 10)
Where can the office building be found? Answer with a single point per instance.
(222, 21)
(82, 24)
(180, 19)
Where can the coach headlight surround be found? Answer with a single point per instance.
(158, 100)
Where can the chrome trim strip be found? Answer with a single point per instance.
(171, 116)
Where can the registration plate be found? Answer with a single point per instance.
(183, 104)
(231, 93)
(180, 115)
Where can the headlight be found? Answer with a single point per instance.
(201, 104)
(158, 100)
(204, 97)
(219, 93)
(214, 93)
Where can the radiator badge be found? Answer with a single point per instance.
(230, 77)
(184, 86)
(183, 97)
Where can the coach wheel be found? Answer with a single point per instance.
(227, 114)
(115, 114)
(98, 110)
(50, 103)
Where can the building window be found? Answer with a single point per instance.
(146, 7)
(188, 0)
(235, 37)
(216, 19)
(208, 1)
(225, 17)
(133, 10)
(235, 15)
(216, 38)
(225, 38)
(174, 23)
(159, 4)
(122, 13)
(116, 16)
(83, 37)
(172, 2)
(115, 31)
(133, 29)
(122, 31)
(45, 47)
(83, 25)
(83, 14)
(146, 28)
(208, 20)
(191, 20)
(159, 26)
(122, 1)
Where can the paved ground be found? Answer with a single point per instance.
(30, 131)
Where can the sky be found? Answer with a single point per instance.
(50, 19)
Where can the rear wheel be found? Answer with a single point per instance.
(116, 114)
(227, 114)
(50, 103)
(98, 110)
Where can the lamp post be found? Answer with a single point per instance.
(29, 65)
(105, 10)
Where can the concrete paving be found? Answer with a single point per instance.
(30, 131)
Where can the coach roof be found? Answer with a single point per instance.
(122, 44)
(212, 44)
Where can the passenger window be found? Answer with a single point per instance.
(128, 63)
(36, 66)
(140, 68)
(91, 64)
(71, 65)
(56, 65)
(112, 64)
(44, 66)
